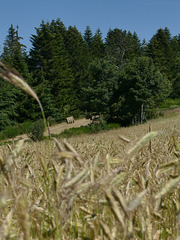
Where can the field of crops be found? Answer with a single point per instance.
(119, 184)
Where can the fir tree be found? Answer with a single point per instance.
(121, 46)
(50, 63)
(79, 58)
(14, 55)
(97, 45)
(88, 36)
(161, 51)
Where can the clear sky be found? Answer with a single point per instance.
(144, 17)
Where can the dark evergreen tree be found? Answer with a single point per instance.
(8, 104)
(79, 58)
(161, 51)
(88, 36)
(98, 92)
(97, 45)
(14, 55)
(121, 46)
(50, 64)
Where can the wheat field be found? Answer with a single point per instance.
(119, 184)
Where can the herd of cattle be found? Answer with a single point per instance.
(94, 119)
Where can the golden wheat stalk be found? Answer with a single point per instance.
(148, 225)
(23, 218)
(106, 230)
(142, 142)
(59, 176)
(5, 227)
(73, 151)
(168, 187)
(115, 207)
(121, 200)
(11, 159)
(136, 201)
(170, 164)
(124, 139)
(77, 178)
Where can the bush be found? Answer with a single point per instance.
(36, 131)
(11, 132)
(93, 128)
(24, 127)
(170, 103)
(174, 106)
(2, 136)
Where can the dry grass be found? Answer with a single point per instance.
(109, 185)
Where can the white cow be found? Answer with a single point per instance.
(70, 119)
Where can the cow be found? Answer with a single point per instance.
(70, 119)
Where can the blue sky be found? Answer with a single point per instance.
(143, 16)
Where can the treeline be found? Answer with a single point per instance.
(120, 77)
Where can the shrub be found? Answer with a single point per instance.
(170, 103)
(174, 106)
(24, 127)
(36, 131)
(2, 136)
(11, 132)
(93, 128)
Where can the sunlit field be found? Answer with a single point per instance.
(112, 185)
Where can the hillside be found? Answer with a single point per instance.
(110, 185)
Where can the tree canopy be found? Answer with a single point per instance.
(73, 73)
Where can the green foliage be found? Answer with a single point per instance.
(88, 36)
(99, 89)
(176, 84)
(36, 131)
(92, 128)
(49, 62)
(14, 55)
(8, 104)
(79, 58)
(2, 136)
(164, 52)
(170, 103)
(121, 93)
(23, 128)
(71, 73)
(140, 85)
(97, 45)
(13, 131)
(121, 45)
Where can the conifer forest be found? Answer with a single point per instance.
(76, 73)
